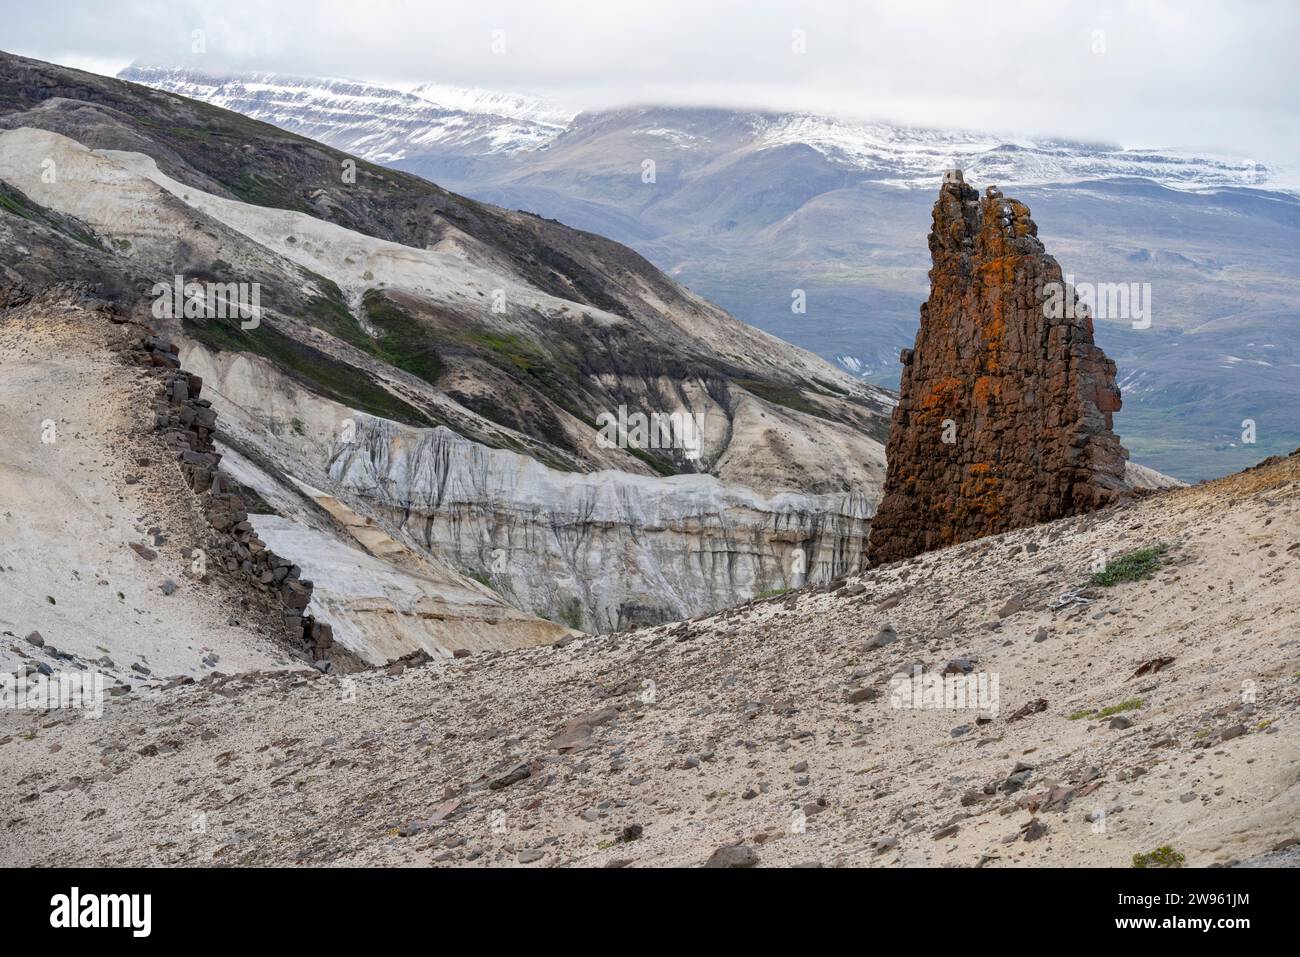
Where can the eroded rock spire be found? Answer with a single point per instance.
(1004, 416)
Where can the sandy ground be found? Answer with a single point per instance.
(82, 479)
(771, 725)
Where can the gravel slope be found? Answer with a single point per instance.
(769, 725)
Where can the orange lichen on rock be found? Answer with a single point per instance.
(943, 393)
(1004, 416)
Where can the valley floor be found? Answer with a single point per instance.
(770, 725)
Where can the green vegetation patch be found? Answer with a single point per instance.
(402, 342)
(833, 389)
(1131, 567)
(1161, 857)
(19, 204)
(779, 393)
(329, 311)
(518, 355)
(10, 202)
(1132, 704)
(253, 188)
(316, 370)
(659, 465)
(557, 379)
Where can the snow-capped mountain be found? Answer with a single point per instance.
(516, 106)
(388, 125)
(912, 156)
(377, 123)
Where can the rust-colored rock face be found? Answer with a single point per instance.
(1004, 416)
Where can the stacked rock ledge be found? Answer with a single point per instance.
(186, 423)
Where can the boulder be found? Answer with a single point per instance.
(739, 855)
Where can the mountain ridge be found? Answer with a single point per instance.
(391, 297)
(843, 222)
(924, 152)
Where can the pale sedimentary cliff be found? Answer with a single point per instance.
(386, 602)
(597, 551)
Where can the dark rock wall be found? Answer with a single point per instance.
(186, 422)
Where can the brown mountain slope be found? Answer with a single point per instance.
(590, 324)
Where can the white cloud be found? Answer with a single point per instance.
(1192, 73)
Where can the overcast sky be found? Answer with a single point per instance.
(1198, 74)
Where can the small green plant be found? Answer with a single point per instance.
(297, 426)
(1130, 567)
(1161, 857)
(771, 593)
(1132, 704)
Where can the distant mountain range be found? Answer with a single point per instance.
(762, 212)
(387, 125)
(380, 124)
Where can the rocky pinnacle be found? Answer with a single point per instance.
(1004, 414)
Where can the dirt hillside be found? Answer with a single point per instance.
(1161, 711)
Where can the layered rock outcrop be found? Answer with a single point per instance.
(187, 423)
(600, 551)
(1004, 417)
